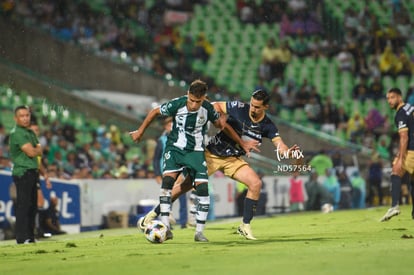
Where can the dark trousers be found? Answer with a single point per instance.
(183, 209)
(26, 205)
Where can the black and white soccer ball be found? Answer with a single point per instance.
(156, 232)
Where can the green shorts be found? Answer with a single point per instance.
(175, 160)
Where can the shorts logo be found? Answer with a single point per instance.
(204, 164)
(233, 103)
(167, 155)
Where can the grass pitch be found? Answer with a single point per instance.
(343, 242)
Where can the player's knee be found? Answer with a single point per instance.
(202, 189)
(167, 182)
(254, 185)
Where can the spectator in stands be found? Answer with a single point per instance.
(376, 89)
(271, 11)
(69, 164)
(317, 195)
(331, 184)
(338, 161)
(351, 20)
(288, 94)
(404, 28)
(374, 70)
(59, 148)
(264, 71)
(247, 12)
(5, 163)
(358, 190)
(388, 62)
(302, 97)
(203, 48)
(345, 60)
(296, 193)
(269, 55)
(361, 68)
(313, 110)
(300, 46)
(409, 98)
(382, 147)
(321, 162)
(355, 127)
(329, 116)
(283, 56)
(360, 91)
(375, 122)
(375, 176)
(404, 66)
(346, 190)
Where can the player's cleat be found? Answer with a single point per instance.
(172, 219)
(199, 237)
(144, 221)
(393, 211)
(245, 230)
(169, 235)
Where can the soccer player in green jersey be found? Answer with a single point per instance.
(185, 148)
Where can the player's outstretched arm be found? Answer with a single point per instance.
(137, 134)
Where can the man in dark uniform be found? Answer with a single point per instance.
(223, 153)
(24, 150)
(404, 161)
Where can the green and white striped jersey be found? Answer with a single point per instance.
(188, 128)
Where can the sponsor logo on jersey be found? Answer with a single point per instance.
(201, 120)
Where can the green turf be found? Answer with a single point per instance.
(343, 242)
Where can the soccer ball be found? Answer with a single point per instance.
(156, 232)
(327, 208)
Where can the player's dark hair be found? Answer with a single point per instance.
(395, 91)
(198, 88)
(21, 107)
(261, 95)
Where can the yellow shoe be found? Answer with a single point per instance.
(245, 230)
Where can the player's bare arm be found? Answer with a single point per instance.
(137, 134)
(32, 151)
(221, 122)
(220, 107)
